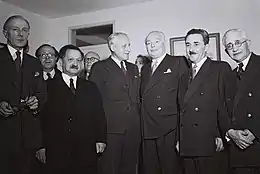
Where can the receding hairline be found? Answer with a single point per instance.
(158, 33)
(241, 32)
(11, 18)
(114, 36)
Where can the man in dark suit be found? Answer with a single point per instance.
(74, 124)
(245, 147)
(204, 116)
(48, 56)
(22, 94)
(159, 91)
(118, 82)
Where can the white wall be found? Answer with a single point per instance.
(173, 17)
(102, 50)
(39, 25)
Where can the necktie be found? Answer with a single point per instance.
(240, 70)
(122, 67)
(194, 71)
(72, 87)
(49, 76)
(154, 66)
(18, 60)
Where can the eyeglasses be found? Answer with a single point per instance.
(47, 55)
(238, 43)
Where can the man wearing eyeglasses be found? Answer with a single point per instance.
(48, 56)
(245, 147)
(22, 94)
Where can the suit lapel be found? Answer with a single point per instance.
(158, 73)
(10, 66)
(145, 77)
(198, 80)
(248, 76)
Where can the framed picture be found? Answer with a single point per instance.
(177, 46)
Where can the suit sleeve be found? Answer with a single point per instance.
(101, 124)
(96, 75)
(225, 99)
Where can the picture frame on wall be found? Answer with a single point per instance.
(177, 46)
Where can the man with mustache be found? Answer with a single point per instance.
(22, 94)
(74, 124)
(244, 147)
(204, 111)
(118, 82)
(159, 109)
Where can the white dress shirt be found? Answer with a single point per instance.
(13, 52)
(45, 76)
(67, 78)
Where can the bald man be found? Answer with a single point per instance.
(159, 90)
(245, 147)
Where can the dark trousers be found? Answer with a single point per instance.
(121, 154)
(160, 155)
(71, 158)
(217, 164)
(18, 162)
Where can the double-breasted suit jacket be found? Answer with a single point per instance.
(246, 114)
(24, 126)
(120, 94)
(159, 93)
(204, 112)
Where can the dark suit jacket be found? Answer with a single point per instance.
(246, 113)
(120, 94)
(204, 112)
(25, 126)
(159, 93)
(80, 117)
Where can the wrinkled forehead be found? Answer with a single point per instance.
(155, 36)
(232, 36)
(47, 49)
(18, 22)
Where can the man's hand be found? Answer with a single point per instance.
(177, 146)
(5, 109)
(32, 102)
(250, 136)
(100, 147)
(240, 138)
(41, 155)
(219, 144)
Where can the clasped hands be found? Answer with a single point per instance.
(7, 110)
(242, 138)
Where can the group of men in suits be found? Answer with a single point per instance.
(184, 115)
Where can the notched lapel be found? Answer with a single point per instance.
(198, 80)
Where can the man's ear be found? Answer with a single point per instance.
(226, 51)
(5, 33)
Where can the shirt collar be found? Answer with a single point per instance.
(118, 62)
(67, 78)
(52, 73)
(199, 64)
(158, 60)
(245, 61)
(12, 51)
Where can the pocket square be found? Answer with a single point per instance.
(36, 74)
(168, 71)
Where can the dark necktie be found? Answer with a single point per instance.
(72, 87)
(240, 70)
(194, 71)
(123, 68)
(49, 76)
(18, 61)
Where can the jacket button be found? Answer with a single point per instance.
(70, 119)
(201, 93)
(250, 94)
(196, 109)
(158, 96)
(159, 108)
(249, 115)
(69, 130)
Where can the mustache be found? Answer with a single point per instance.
(192, 52)
(74, 67)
